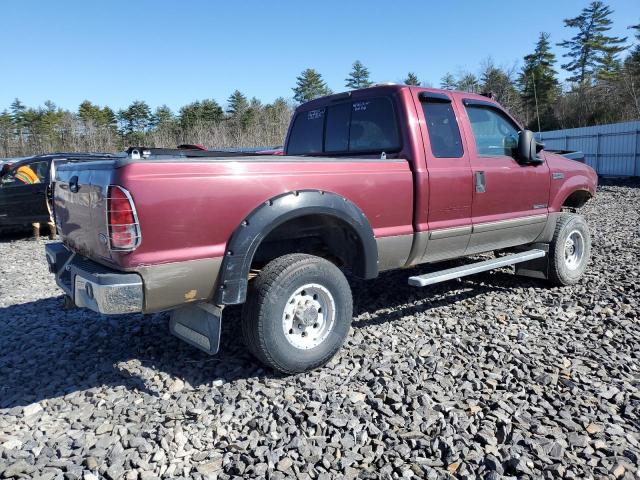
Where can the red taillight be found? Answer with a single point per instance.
(124, 230)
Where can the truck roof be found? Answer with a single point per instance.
(388, 89)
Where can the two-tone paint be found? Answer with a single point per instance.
(418, 208)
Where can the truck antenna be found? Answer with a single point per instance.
(535, 96)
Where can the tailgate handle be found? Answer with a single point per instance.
(73, 184)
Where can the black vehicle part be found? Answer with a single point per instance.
(232, 282)
(198, 325)
(181, 152)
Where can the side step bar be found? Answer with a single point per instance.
(464, 270)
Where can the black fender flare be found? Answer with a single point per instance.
(231, 287)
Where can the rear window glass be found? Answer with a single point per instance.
(373, 126)
(337, 129)
(444, 133)
(366, 126)
(306, 133)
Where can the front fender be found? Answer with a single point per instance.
(569, 186)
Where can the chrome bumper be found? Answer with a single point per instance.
(92, 285)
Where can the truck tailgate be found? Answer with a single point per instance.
(80, 197)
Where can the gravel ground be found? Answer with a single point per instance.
(493, 376)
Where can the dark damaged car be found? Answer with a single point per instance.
(25, 189)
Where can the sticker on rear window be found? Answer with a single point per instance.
(315, 114)
(360, 106)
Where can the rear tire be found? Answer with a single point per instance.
(569, 250)
(298, 313)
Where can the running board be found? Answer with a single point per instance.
(464, 270)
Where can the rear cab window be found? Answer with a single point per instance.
(444, 132)
(351, 127)
(306, 133)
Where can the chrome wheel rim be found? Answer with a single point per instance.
(574, 250)
(308, 316)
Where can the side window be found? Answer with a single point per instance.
(306, 133)
(373, 126)
(27, 174)
(495, 134)
(444, 134)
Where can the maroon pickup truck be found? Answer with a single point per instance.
(374, 179)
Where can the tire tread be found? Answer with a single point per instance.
(254, 316)
(556, 276)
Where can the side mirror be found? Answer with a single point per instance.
(528, 148)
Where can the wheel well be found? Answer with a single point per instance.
(322, 235)
(577, 199)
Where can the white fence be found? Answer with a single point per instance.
(612, 149)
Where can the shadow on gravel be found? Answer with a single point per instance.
(47, 352)
(10, 234)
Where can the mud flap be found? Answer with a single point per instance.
(537, 268)
(198, 325)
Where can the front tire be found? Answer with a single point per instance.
(569, 250)
(298, 313)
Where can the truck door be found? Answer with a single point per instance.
(509, 198)
(450, 182)
(23, 194)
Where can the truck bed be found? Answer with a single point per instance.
(184, 205)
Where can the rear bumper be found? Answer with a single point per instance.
(92, 285)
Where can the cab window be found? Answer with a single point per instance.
(367, 126)
(494, 133)
(444, 134)
(373, 126)
(337, 129)
(306, 133)
(26, 174)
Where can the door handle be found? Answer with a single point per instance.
(73, 184)
(480, 182)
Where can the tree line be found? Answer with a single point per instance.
(602, 86)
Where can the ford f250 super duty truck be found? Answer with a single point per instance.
(375, 179)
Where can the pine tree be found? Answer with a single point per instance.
(162, 117)
(633, 60)
(500, 84)
(448, 82)
(358, 77)
(100, 117)
(309, 85)
(412, 79)
(468, 82)
(108, 118)
(591, 49)
(6, 129)
(539, 86)
(237, 104)
(49, 118)
(206, 111)
(210, 111)
(136, 117)
(17, 113)
(610, 67)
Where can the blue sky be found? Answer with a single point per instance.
(114, 52)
